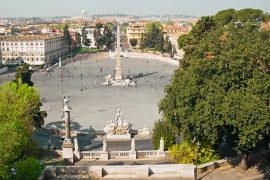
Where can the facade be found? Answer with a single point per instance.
(135, 31)
(32, 49)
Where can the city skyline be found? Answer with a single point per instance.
(50, 8)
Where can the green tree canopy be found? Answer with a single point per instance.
(24, 73)
(85, 41)
(67, 36)
(222, 89)
(104, 35)
(133, 42)
(164, 129)
(153, 39)
(19, 105)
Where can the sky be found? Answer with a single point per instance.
(45, 8)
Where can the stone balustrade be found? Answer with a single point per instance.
(149, 154)
(91, 154)
(119, 154)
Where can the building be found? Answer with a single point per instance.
(89, 35)
(33, 49)
(135, 31)
(176, 30)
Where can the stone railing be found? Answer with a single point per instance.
(124, 154)
(91, 154)
(119, 154)
(147, 154)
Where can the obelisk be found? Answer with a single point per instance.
(118, 70)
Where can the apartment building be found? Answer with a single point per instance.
(32, 49)
(135, 31)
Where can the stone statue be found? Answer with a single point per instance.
(119, 119)
(76, 144)
(104, 145)
(133, 144)
(66, 102)
(161, 144)
(126, 125)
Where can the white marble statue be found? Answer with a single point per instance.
(66, 102)
(76, 144)
(119, 118)
(161, 144)
(133, 145)
(104, 145)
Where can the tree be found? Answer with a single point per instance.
(19, 105)
(133, 42)
(98, 36)
(167, 45)
(163, 129)
(85, 41)
(104, 36)
(24, 73)
(67, 36)
(153, 38)
(78, 40)
(221, 91)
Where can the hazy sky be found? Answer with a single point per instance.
(11, 8)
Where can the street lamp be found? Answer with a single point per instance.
(147, 65)
(81, 82)
(13, 173)
(198, 144)
(49, 148)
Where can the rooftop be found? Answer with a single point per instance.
(29, 37)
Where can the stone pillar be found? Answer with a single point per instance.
(68, 147)
(118, 71)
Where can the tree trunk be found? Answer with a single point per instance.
(244, 161)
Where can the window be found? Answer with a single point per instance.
(31, 44)
(16, 44)
(27, 44)
(21, 44)
(11, 44)
(3, 44)
(36, 44)
(41, 44)
(7, 49)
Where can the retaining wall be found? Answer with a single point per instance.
(119, 172)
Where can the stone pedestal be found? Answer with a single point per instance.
(118, 137)
(161, 154)
(68, 152)
(105, 156)
(133, 155)
(77, 155)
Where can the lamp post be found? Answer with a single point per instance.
(81, 82)
(49, 148)
(147, 65)
(198, 144)
(13, 173)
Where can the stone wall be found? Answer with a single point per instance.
(120, 172)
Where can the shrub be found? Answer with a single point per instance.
(164, 129)
(186, 153)
(28, 169)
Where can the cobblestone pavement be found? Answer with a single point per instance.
(97, 104)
